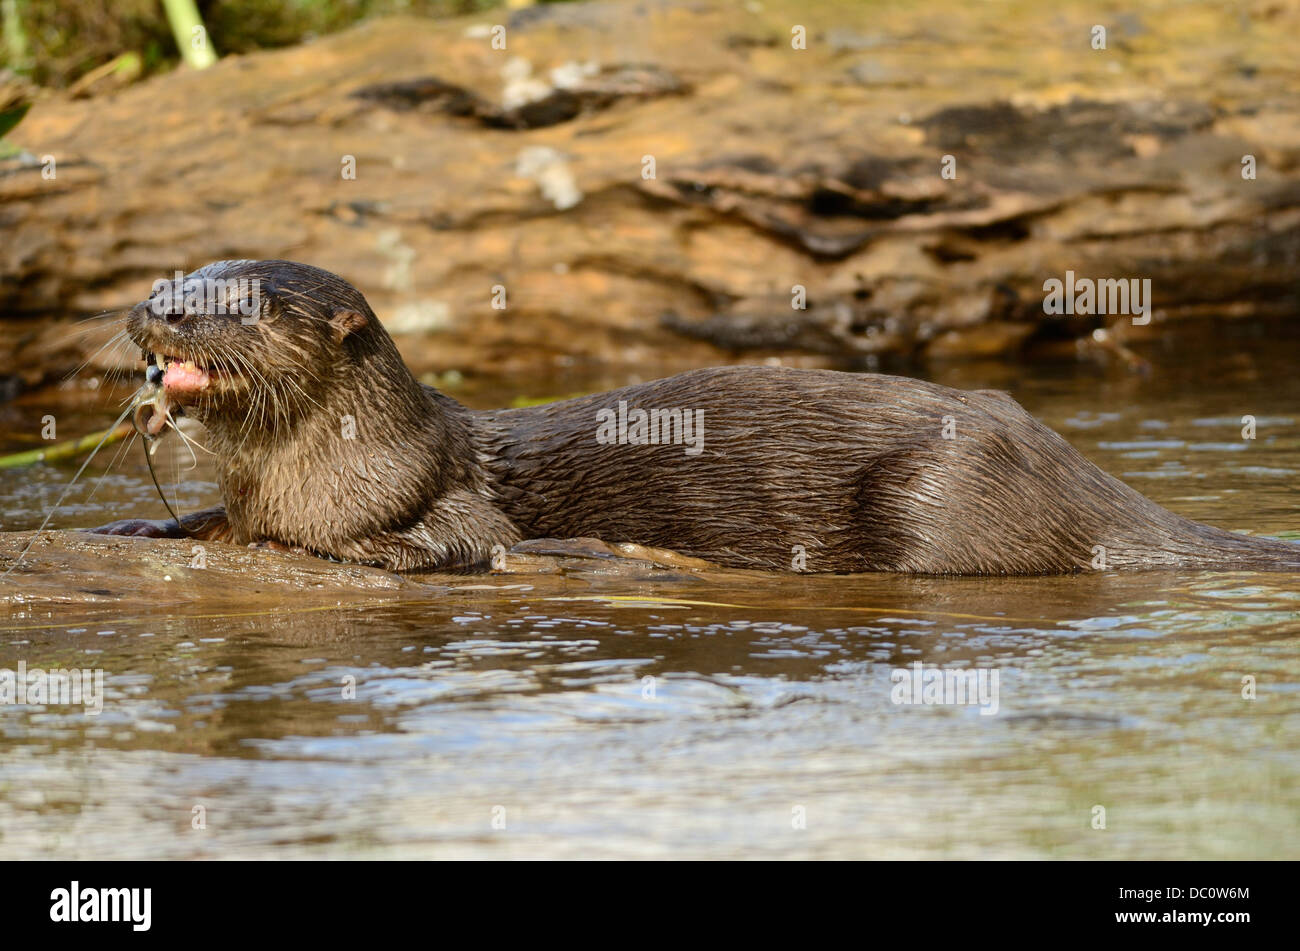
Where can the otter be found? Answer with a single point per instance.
(326, 442)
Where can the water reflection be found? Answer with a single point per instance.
(672, 715)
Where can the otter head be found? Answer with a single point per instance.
(253, 344)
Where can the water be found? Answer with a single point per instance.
(670, 714)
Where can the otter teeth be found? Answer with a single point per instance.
(164, 363)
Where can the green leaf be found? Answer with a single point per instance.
(11, 117)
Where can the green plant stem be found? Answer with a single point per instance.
(15, 35)
(183, 15)
(66, 450)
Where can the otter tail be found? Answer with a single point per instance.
(1182, 543)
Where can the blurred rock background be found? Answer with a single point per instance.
(655, 184)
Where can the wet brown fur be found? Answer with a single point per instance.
(852, 470)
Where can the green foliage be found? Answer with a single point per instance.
(56, 43)
(11, 117)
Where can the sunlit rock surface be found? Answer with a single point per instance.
(529, 168)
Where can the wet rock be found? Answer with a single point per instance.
(701, 167)
(65, 567)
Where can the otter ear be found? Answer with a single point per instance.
(346, 321)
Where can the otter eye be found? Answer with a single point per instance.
(242, 306)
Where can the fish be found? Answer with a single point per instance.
(151, 409)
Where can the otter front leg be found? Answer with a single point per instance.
(209, 525)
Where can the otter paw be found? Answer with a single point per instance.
(140, 527)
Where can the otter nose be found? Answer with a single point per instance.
(161, 308)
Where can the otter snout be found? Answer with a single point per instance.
(181, 348)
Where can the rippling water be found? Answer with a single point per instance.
(672, 714)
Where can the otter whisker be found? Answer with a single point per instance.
(121, 451)
(64, 494)
(262, 391)
(117, 339)
(89, 324)
(186, 438)
(185, 441)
